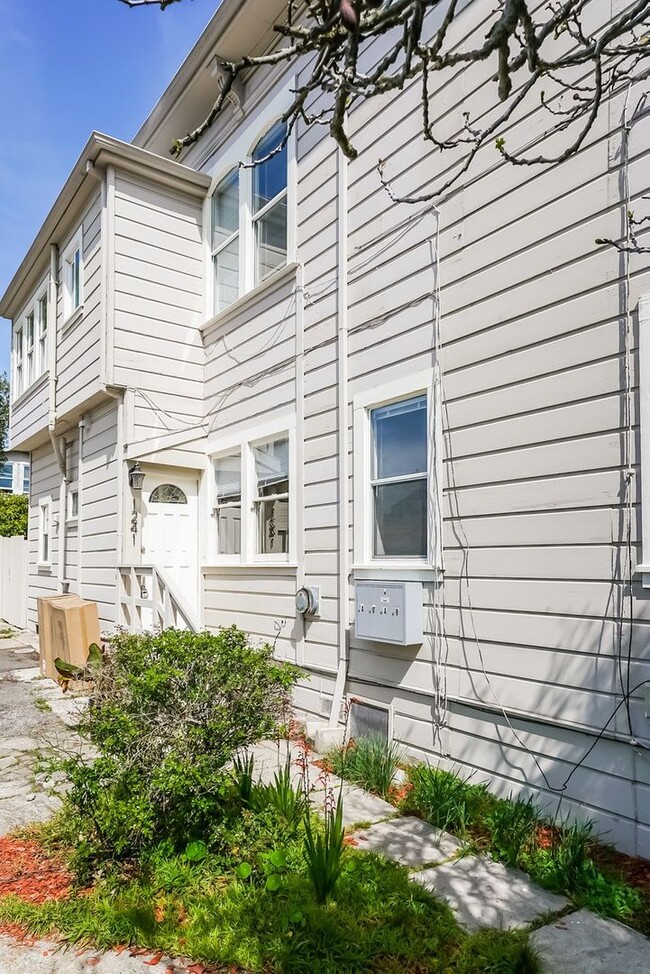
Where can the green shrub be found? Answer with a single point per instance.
(169, 712)
(14, 513)
(368, 761)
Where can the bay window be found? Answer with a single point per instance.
(228, 480)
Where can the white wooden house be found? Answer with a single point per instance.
(264, 345)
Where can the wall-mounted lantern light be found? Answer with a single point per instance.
(136, 476)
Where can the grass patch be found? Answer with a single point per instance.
(370, 762)
(562, 857)
(378, 921)
(41, 704)
(558, 856)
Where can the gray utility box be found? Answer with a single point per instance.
(389, 612)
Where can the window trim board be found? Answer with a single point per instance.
(421, 383)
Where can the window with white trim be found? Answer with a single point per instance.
(30, 345)
(42, 333)
(399, 479)
(73, 503)
(228, 496)
(396, 483)
(249, 220)
(19, 364)
(30, 366)
(45, 532)
(252, 500)
(271, 499)
(73, 276)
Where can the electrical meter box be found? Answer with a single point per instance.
(389, 612)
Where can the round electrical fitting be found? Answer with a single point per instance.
(307, 600)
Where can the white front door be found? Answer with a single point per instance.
(170, 527)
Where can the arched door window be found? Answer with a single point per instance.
(167, 494)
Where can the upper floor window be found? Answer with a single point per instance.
(30, 345)
(19, 365)
(249, 220)
(72, 276)
(270, 202)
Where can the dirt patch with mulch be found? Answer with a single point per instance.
(32, 874)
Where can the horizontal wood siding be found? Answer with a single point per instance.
(99, 513)
(29, 416)
(78, 353)
(534, 604)
(45, 482)
(158, 303)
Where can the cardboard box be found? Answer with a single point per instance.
(70, 624)
(45, 631)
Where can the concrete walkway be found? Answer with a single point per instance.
(36, 716)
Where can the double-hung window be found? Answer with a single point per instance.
(228, 483)
(72, 276)
(399, 479)
(272, 496)
(225, 241)
(42, 333)
(30, 367)
(30, 344)
(19, 364)
(249, 220)
(396, 485)
(270, 202)
(252, 494)
(45, 532)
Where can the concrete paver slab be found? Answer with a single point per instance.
(48, 958)
(408, 841)
(483, 893)
(358, 805)
(584, 943)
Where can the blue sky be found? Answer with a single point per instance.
(68, 67)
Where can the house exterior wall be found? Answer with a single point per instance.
(78, 340)
(91, 540)
(158, 306)
(533, 611)
(534, 602)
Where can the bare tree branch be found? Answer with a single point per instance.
(535, 46)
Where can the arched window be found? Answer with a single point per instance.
(270, 201)
(249, 220)
(167, 494)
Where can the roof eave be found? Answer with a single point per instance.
(100, 151)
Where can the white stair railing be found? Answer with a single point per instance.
(147, 600)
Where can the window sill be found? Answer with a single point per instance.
(237, 306)
(250, 566)
(72, 319)
(398, 572)
(36, 384)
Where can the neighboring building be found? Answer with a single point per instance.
(14, 473)
(264, 346)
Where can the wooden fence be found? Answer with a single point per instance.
(14, 571)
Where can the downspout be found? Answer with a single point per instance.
(80, 523)
(343, 458)
(63, 504)
(58, 445)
